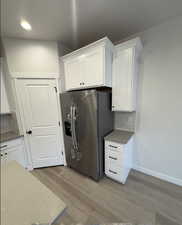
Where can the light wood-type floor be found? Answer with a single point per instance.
(143, 200)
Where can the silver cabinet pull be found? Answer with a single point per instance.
(3, 146)
(112, 146)
(111, 171)
(112, 158)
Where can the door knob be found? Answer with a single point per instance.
(29, 132)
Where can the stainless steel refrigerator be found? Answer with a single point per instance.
(87, 118)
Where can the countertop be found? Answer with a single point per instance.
(119, 136)
(9, 136)
(25, 200)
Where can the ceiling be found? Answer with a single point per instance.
(79, 22)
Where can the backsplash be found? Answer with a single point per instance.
(8, 122)
(125, 120)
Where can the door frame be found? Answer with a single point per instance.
(22, 119)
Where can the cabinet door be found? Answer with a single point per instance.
(86, 70)
(122, 96)
(3, 156)
(73, 73)
(17, 154)
(4, 100)
(93, 68)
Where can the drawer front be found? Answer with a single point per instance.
(3, 146)
(113, 146)
(115, 157)
(11, 144)
(3, 155)
(114, 171)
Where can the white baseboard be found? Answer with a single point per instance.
(158, 175)
(29, 167)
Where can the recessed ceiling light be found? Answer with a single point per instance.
(25, 25)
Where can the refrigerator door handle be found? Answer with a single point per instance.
(74, 129)
(71, 118)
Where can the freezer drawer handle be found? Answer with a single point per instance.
(113, 172)
(3, 146)
(112, 158)
(112, 146)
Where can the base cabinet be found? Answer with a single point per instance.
(118, 160)
(13, 150)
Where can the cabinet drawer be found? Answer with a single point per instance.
(114, 157)
(114, 171)
(11, 144)
(113, 146)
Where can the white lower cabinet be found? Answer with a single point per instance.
(118, 160)
(13, 150)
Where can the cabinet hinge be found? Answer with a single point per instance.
(59, 123)
(62, 153)
(56, 89)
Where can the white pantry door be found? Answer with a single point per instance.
(39, 106)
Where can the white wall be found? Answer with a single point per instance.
(158, 142)
(32, 58)
(63, 49)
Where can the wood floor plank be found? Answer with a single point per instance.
(147, 197)
(163, 220)
(143, 200)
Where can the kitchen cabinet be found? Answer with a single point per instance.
(118, 154)
(13, 150)
(90, 66)
(5, 109)
(124, 77)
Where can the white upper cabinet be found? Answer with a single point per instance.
(124, 77)
(90, 66)
(4, 100)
